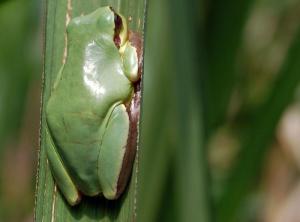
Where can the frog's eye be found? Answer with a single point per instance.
(120, 36)
(118, 27)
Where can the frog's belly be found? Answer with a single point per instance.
(78, 142)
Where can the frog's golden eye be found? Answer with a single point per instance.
(120, 31)
(118, 28)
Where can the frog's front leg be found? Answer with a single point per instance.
(112, 153)
(130, 61)
(62, 178)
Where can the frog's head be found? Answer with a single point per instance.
(103, 20)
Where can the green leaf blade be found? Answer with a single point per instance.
(50, 205)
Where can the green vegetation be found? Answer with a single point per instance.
(219, 76)
(50, 205)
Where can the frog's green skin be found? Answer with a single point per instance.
(87, 122)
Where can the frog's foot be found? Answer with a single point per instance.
(113, 163)
(61, 176)
(130, 61)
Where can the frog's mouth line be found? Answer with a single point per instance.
(120, 35)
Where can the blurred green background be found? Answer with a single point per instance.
(221, 115)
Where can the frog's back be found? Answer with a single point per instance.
(91, 82)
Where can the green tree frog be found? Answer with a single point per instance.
(93, 110)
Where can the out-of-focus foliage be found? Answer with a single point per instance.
(172, 163)
(221, 97)
(247, 75)
(20, 59)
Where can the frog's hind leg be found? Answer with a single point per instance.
(58, 77)
(62, 178)
(113, 154)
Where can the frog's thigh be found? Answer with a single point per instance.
(60, 174)
(112, 152)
